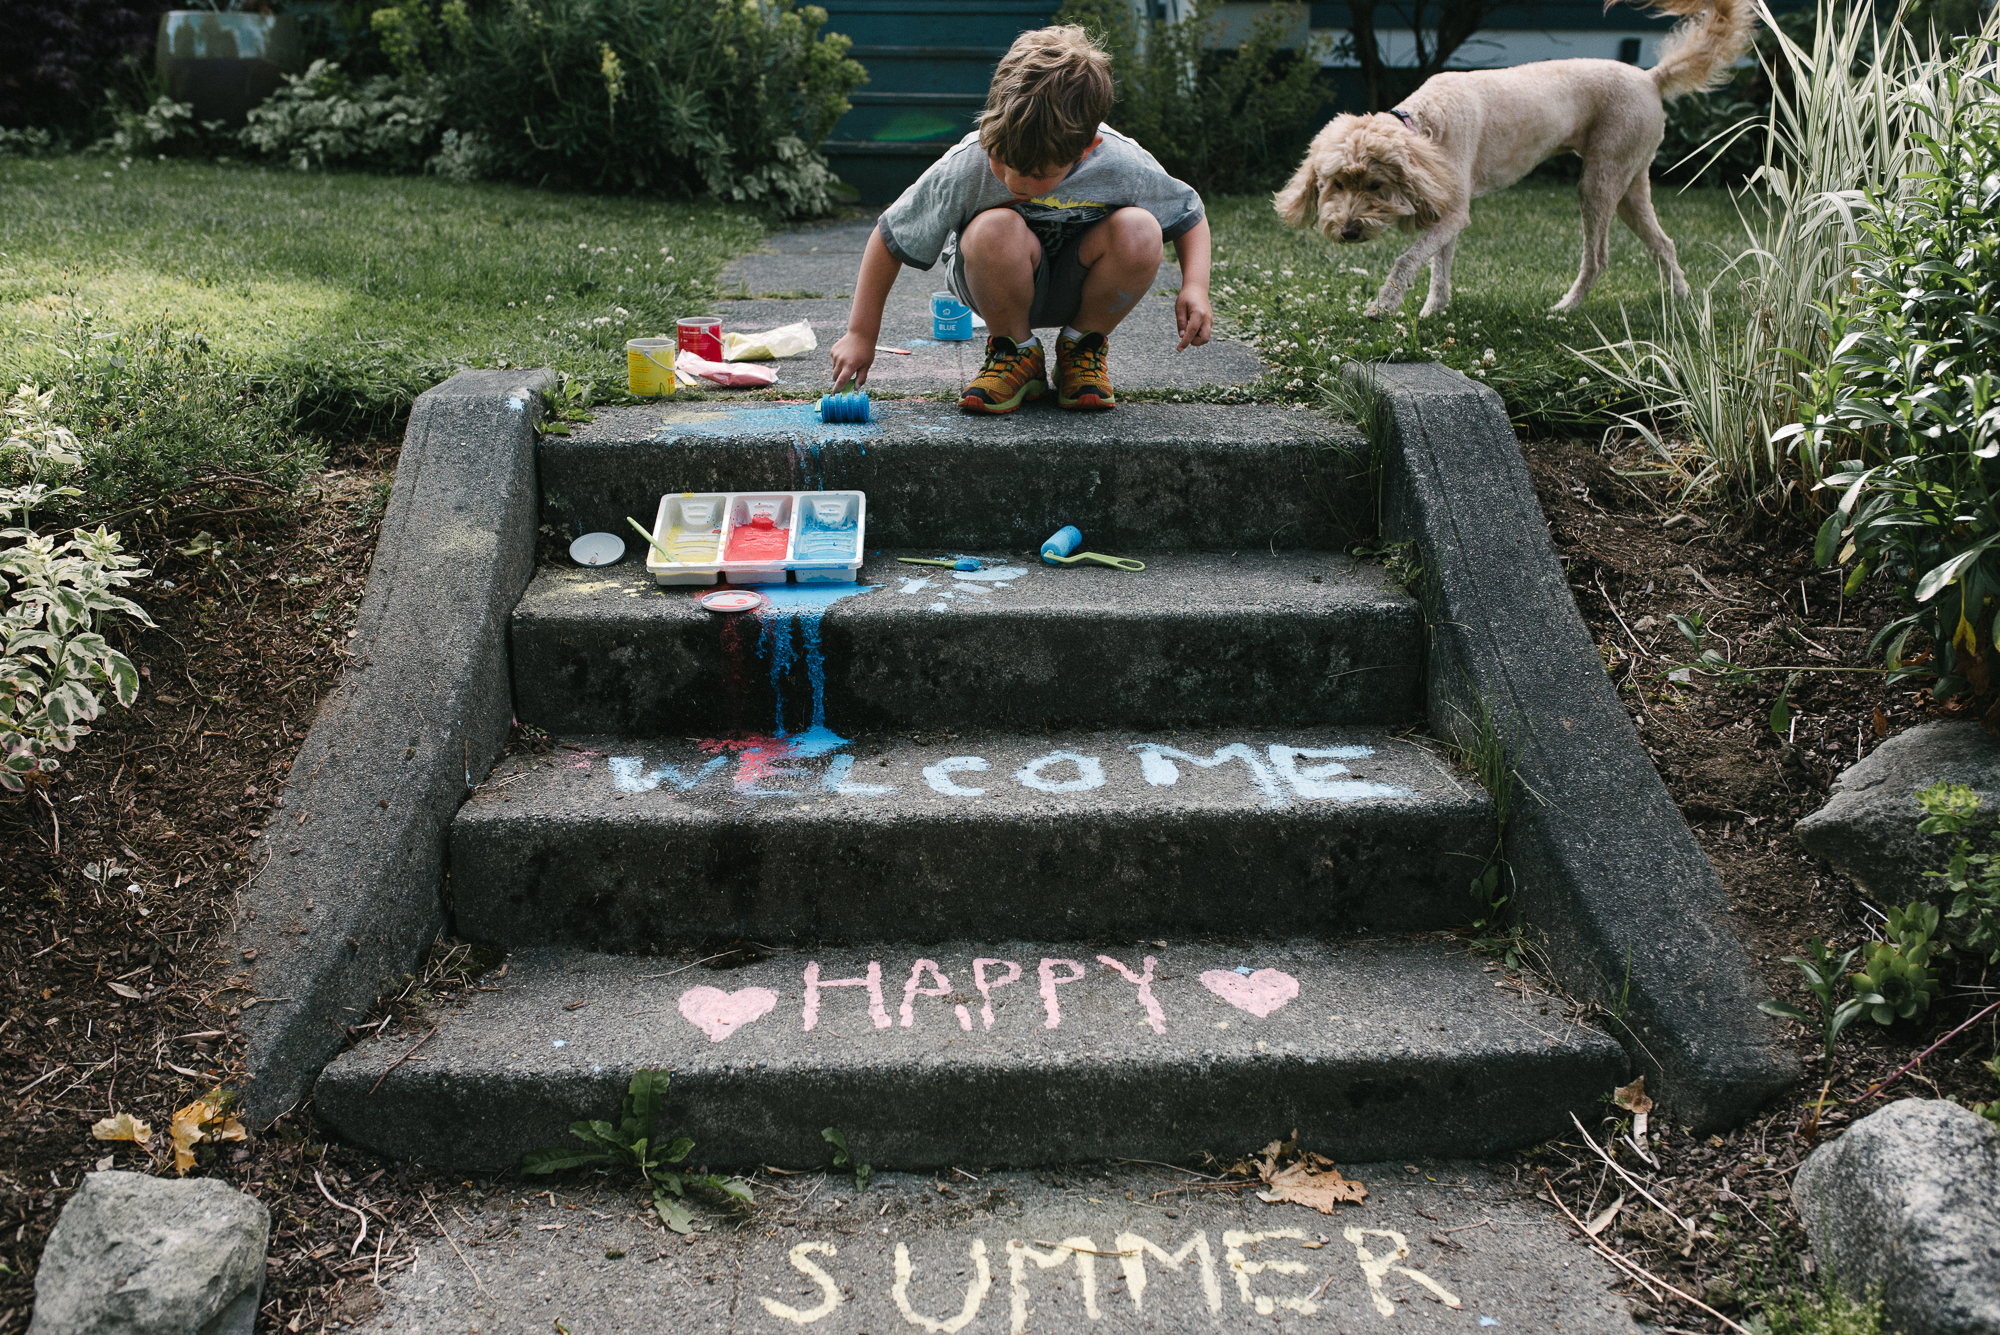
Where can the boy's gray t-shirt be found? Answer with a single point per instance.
(923, 225)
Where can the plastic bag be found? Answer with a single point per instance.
(787, 340)
(726, 373)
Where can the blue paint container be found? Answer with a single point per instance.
(851, 407)
(951, 319)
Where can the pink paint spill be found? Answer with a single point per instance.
(1049, 984)
(1144, 982)
(1259, 993)
(758, 540)
(759, 756)
(986, 988)
(873, 982)
(911, 991)
(720, 1014)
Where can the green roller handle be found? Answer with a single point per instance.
(1115, 562)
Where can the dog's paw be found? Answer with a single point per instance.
(1432, 308)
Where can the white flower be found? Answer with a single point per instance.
(583, 245)
(620, 312)
(1583, 380)
(1487, 357)
(602, 320)
(549, 300)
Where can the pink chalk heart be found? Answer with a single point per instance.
(1259, 993)
(720, 1014)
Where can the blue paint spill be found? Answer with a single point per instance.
(804, 604)
(815, 444)
(792, 419)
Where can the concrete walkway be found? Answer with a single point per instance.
(823, 261)
(1446, 1247)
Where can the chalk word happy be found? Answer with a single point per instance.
(1134, 1252)
(1280, 774)
(719, 1014)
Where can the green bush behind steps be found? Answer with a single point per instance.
(675, 98)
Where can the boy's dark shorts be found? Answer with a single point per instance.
(1058, 284)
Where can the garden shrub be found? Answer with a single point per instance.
(59, 54)
(1225, 121)
(680, 97)
(1911, 394)
(55, 596)
(320, 119)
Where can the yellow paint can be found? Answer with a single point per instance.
(649, 366)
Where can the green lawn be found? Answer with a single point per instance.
(361, 290)
(1300, 296)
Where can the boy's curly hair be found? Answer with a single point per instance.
(1049, 94)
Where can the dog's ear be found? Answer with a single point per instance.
(1298, 202)
(1421, 173)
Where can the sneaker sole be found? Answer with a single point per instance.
(1033, 389)
(1087, 403)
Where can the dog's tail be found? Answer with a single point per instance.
(1697, 55)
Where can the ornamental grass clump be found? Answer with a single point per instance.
(1909, 399)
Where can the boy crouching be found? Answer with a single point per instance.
(1045, 218)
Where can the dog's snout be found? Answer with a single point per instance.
(1351, 232)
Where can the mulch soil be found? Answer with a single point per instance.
(1635, 555)
(123, 870)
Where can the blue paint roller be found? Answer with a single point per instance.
(852, 407)
(1058, 548)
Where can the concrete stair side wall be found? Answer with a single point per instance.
(344, 894)
(1606, 869)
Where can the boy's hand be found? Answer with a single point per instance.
(1194, 317)
(852, 356)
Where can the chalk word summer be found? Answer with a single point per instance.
(1266, 1283)
(719, 1014)
(1281, 774)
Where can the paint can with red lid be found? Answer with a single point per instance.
(701, 335)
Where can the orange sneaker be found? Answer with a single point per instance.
(1009, 378)
(1083, 384)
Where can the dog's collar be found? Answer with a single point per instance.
(1404, 116)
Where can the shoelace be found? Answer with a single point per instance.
(1089, 361)
(1005, 362)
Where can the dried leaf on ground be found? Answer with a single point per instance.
(123, 1127)
(1311, 1180)
(1632, 1098)
(1603, 1221)
(207, 1118)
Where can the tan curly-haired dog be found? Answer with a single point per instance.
(1467, 134)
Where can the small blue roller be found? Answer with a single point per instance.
(852, 407)
(1062, 542)
(1059, 549)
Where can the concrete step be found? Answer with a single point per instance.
(1253, 639)
(1159, 475)
(616, 844)
(1370, 1049)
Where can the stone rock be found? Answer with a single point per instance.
(1909, 1200)
(1868, 827)
(139, 1255)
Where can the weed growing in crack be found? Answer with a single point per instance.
(631, 1146)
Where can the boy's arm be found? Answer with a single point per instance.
(1192, 314)
(854, 353)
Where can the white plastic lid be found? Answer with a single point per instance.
(732, 600)
(597, 549)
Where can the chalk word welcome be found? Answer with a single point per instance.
(1134, 1253)
(1281, 774)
